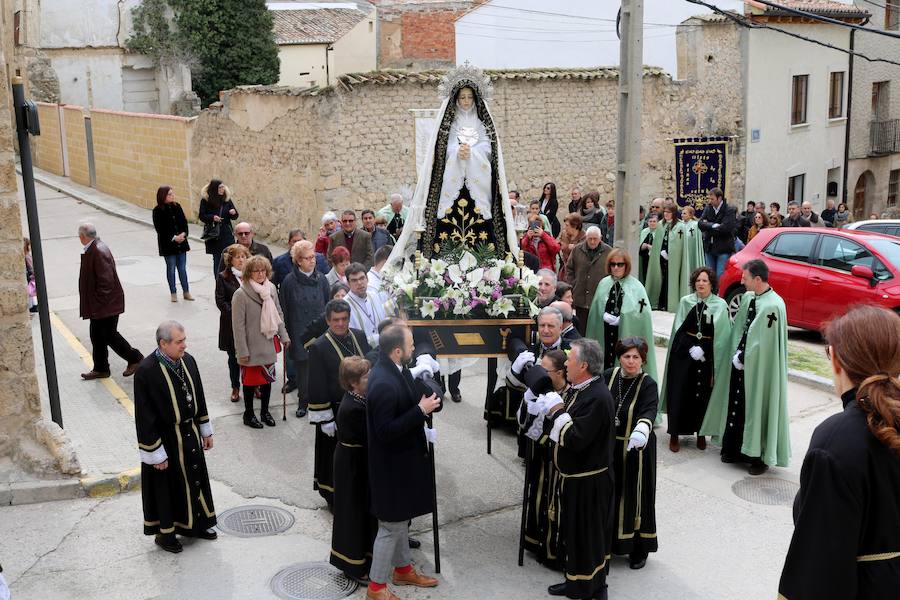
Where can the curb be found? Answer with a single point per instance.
(33, 492)
(104, 487)
(812, 380)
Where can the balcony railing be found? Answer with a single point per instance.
(884, 137)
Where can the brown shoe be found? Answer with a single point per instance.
(95, 375)
(674, 444)
(414, 578)
(187, 296)
(701, 442)
(235, 394)
(132, 367)
(382, 594)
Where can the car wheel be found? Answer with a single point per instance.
(733, 299)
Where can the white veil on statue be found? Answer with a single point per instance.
(483, 175)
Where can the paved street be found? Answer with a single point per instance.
(713, 543)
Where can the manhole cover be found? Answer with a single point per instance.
(312, 581)
(255, 521)
(766, 490)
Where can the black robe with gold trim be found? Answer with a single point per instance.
(635, 470)
(325, 394)
(583, 487)
(354, 527)
(169, 424)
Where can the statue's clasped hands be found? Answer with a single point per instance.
(465, 151)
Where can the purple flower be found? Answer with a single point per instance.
(496, 294)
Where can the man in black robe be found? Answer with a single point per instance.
(325, 393)
(173, 431)
(579, 429)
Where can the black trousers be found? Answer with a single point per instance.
(105, 335)
(301, 379)
(453, 380)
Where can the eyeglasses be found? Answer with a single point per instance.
(311, 257)
(254, 271)
(617, 264)
(243, 233)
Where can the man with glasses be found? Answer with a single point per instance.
(366, 310)
(585, 269)
(357, 241)
(244, 234)
(303, 295)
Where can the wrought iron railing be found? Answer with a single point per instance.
(884, 137)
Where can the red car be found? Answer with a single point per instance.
(820, 273)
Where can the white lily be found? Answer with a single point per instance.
(503, 306)
(492, 274)
(409, 289)
(461, 308)
(533, 309)
(529, 280)
(438, 266)
(455, 273)
(467, 262)
(429, 309)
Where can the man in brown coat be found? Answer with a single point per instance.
(102, 301)
(355, 239)
(584, 270)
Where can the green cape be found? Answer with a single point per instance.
(722, 354)
(694, 256)
(766, 425)
(641, 275)
(678, 280)
(636, 319)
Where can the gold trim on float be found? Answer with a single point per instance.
(467, 322)
(876, 557)
(469, 339)
(351, 561)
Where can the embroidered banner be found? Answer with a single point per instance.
(701, 164)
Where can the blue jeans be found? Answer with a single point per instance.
(178, 261)
(717, 262)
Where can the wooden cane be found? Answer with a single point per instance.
(528, 462)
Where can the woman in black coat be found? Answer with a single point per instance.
(846, 540)
(216, 206)
(227, 283)
(550, 206)
(171, 238)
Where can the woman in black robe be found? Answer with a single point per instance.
(635, 400)
(354, 527)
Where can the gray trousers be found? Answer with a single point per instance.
(391, 549)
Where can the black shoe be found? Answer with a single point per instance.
(289, 387)
(208, 534)
(637, 564)
(602, 594)
(253, 422)
(456, 397)
(557, 589)
(758, 467)
(360, 580)
(33, 308)
(730, 458)
(301, 412)
(267, 419)
(414, 543)
(168, 543)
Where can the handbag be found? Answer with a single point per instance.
(211, 231)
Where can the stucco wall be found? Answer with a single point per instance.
(357, 50)
(302, 58)
(46, 149)
(76, 144)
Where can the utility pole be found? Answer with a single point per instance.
(628, 149)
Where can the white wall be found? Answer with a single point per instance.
(521, 34)
(784, 151)
(302, 58)
(81, 23)
(357, 51)
(90, 80)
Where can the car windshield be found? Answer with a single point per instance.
(888, 249)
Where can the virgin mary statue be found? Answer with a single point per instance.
(461, 198)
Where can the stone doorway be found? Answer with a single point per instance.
(862, 195)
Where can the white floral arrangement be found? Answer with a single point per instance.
(469, 288)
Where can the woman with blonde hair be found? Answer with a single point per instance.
(759, 223)
(846, 540)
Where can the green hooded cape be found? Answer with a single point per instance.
(635, 319)
(644, 232)
(766, 425)
(718, 309)
(677, 280)
(694, 256)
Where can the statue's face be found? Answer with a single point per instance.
(466, 99)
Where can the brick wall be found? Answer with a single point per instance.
(76, 144)
(135, 153)
(429, 35)
(47, 147)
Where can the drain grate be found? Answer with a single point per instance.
(312, 581)
(766, 490)
(255, 521)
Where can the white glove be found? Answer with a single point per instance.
(638, 438)
(329, 428)
(430, 434)
(526, 358)
(611, 319)
(427, 359)
(697, 353)
(530, 404)
(547, 401)
(664, 254)
(716, 225)
(736, 361)
(419, 370)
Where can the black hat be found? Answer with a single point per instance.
(538, 380)
(514, 348)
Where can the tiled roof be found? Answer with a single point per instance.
(315, 25)
(824, 8)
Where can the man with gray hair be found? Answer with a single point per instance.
(546, 287)
(569, 333)
(584, 270)
(173, 432)
(330, 224)
(395, 214)
(795, 218)
(101, 301)
(579, 429)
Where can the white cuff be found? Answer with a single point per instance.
(321, 416)
(514, 381)
(154, 458)
(206, 429)
(558, 424)
(643, 428)
(430, 434)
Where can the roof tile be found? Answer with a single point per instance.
(315, 25)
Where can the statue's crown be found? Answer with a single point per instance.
(466, 74)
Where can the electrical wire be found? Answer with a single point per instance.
(829, 20)
(486, 7)
(885, 6)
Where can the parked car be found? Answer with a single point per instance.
(886, 226)
(820, 273)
